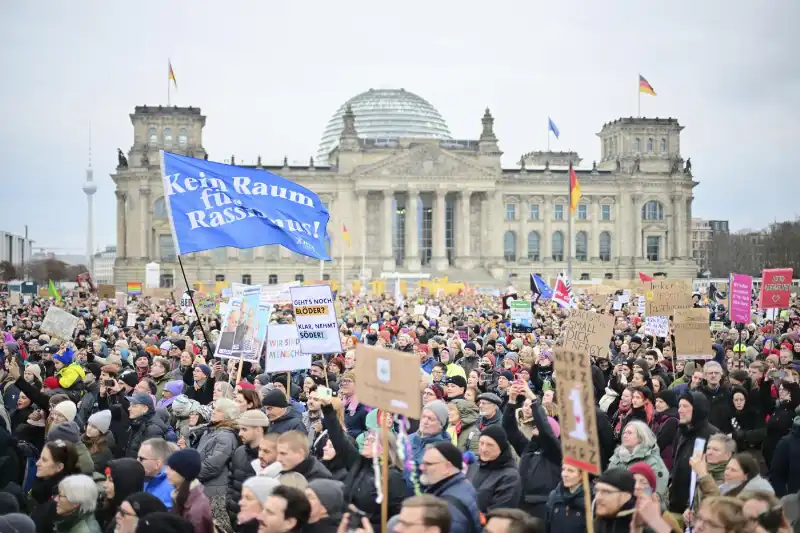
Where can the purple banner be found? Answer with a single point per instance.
(741, 290)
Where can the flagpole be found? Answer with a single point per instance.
(321, 269)
(341, 289)
(639, 99)
(168, 80)
(569, 225)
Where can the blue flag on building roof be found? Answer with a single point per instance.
(552, 127)
(211, 205)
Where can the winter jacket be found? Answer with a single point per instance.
(197, 509)
(619, 523)
(77, 523)
(748, 425)
(41, 505)
(85, 462)
(147, 426)
(70, 375)
(241, 470)
(161, 383)
(356, 422)
(216, 447)
(665, 427)
(645, 454)
(566, 511)
(720, 406)
(88, 404)
(465, 516)
(160, 487)
(467, 435)
(497, 483)
(540, 458)
(418, 446)
(605, 436)
(778, 426)
(290, 421)
(784, 472)
(204, 394)
(311, 468)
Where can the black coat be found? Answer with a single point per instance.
(497, 482)
(720, 407)
(41, 506)
(620, 523)
(311, 469)
(203, 395)
(290, 421)
(784, 473)
(748, 425)
(566, 511)
(778, 426)
(241, 470)
(147, 426)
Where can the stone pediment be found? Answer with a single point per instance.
(425, 162)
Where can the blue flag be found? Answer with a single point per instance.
(540, 289)
(211, 205)
(552, 127)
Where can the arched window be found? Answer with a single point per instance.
(650, 145)
(510, 246)
(605, 246)
(167, 135)
(166, 248)
(663, 148)
(152, 135)
(326, 277)
(246, 254)
(581, 246)
(653, 210)
(183, 139)
(160, 208)
(273, 279)
(558, 246)
(533, 246)
(637, 144)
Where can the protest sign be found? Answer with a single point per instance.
(131, 320)
(59, 323)
(13, 298)
(121, 299)
(419, 309)
(229, 341)
(211, 205)
(521, 315)
(315, 317)
(186, 304)
(576, 409)
(588, 333)
(253, 318)
(691, 334)
(665, 296)
(741, 294)
(776, 286)
(237, 290)
(283, 349)
(717, 325)
(278, 294)
(657, 326)
(433, 312)
(106, 291)
(152, 275)
(641, 306)
(388, 379)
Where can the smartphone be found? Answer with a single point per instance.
(324, 393)
(109, 382)
(354, 522)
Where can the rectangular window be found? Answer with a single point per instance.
(511, 211)
(219, 277)
(558, 212)
(247, 279)
(273, 279)
(605, 212)
(653, 248)
(582, 212)
(534, 211)
(299, 277)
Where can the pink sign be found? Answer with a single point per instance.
(741, 291)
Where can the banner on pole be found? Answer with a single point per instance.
(741, 293)
(283, 349)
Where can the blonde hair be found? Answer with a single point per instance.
(295, 440)
(338, 406)
(728, 511)
(293, 479)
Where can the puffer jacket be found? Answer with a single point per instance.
(468, 435)
(566, 511)
(540, 458)
(497, 483)
(465, 516)
(784, 473)
(651, 455)
(216, 447)
(70, 375)
(240, 470)
(290, 421)
(147, 426)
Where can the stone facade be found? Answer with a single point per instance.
(442, 207)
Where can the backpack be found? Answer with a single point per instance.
(463, 509)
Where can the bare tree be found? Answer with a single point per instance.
(782, 245)
(734, 252)
(47, 269)
(7, 271)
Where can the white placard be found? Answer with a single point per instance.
(433, 311)
(315, 316)
(617, 305)
(152, 275)
(624, 298)
(59, 323)
(642, 305)
(283, 349)
(419, 309)
(657, 326)
(278, 294)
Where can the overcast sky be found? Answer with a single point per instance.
(269, 75)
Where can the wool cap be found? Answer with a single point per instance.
(101, 420)
(330, 494)
(144, 503)
(458, 381)
(508, 374)
(275, 398)
(164, 523)
(644, 470)
(262, 486)
(450, 453)
(68, 431)
(438, 408)
(130, 379)
(68, 409)
(470, 346)
(491, 397)
(497, 434)
(187, 463)
(35, 369)
(619, 478)
(16, 523)
(205, 369)
(51, 383)
(64, 358)
(254, 418)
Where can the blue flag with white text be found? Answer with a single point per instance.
(211, 205)
(552, 127)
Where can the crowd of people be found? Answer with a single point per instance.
(126, 428)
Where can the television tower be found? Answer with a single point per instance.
(89, 188)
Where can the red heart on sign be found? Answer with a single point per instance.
(776, 297)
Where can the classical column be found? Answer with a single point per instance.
(674, 231)
(621, 242)
(496, 225)
(362, 222)
(463, 227)
(546, 241)
(687, 227)
(637, 225)
(594, 240)
(387, 241)
(121, 224)
(439, 258)
(522, 240)
(144, 213)
(412, 231)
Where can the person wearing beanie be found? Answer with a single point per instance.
(172, 389)
(189, 500)
(470, 360)
(101, 421)
(495, 475)
(665, 424)
(490, 407)
(16, 523)
(160, 522)
(326, 497)
(199, 381)
(134, 508)
(68, 371)
(123, 477)
(51, 383)
(282, 417)
(254, 493)
(252, 426)
(64, 412)
(99, 440)
(455, 387)
(433, 424)
(614, 500)
(143, 424)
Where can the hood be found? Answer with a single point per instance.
(128, 476)
(468, 412)
(700, 406)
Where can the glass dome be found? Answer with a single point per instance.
(385, 114)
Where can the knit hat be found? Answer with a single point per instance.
(166, 346)
(507, 374)
(439, 409)
(275, 398)
(187, 463)
(497, 434)
(174, 387)
(450, 453)
(16, 523)
(619, 478)
(330, 494)
(644, 470)
(35, 369)
(51, 383)
(144, 503)
(164, 523)
(8, 503)
(491, 397)
(67, 408)
(68, 431)
(262, 486)
(246, 385)
(130, 379)
(458, 381)
(64, 358)
(511, 356)
(470, 346)
(205, 369)
(228, 408)
(142, 398)
(669, 397)
(101, 420)
(254, 418)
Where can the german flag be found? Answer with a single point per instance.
(574, 190)
(346, 235)
(171, 75)
(645, 87)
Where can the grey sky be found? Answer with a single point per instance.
(269, 74)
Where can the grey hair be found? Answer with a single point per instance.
(726, 441)
(712, 364)
(161, 448)
(80, 490)
(643, 432)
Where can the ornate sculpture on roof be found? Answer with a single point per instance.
(145, 161)
(637, 165)
(233, 159)
(547, 166)
(676, 166)
(258, 162)
(122, 161)
(594, 166)
(619, 165)
(285, 162)
(688, 168)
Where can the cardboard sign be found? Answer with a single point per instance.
(388, 379)
(59, 323)
(740, 294)
(13, 298)
(691, 334)
(419, 309)
(665, 296)
(106, 292)
(657, 326)
(776, 286)
(576, 410)
(588, 333)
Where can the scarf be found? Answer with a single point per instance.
(351, 404)
(621, 413)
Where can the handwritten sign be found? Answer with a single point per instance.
(283, 349)
(59, 323)
(691, 334)
(315, 316)
(588, 333)
(741, 292)
(657, 326)
(388, 379)
(776, 286)
(576, 410)
(664, 296)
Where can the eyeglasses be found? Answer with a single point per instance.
(125, 513)
(142, 459)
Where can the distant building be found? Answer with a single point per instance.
(15, 249)
(69, 259)
(103, 262)
(703, 232)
